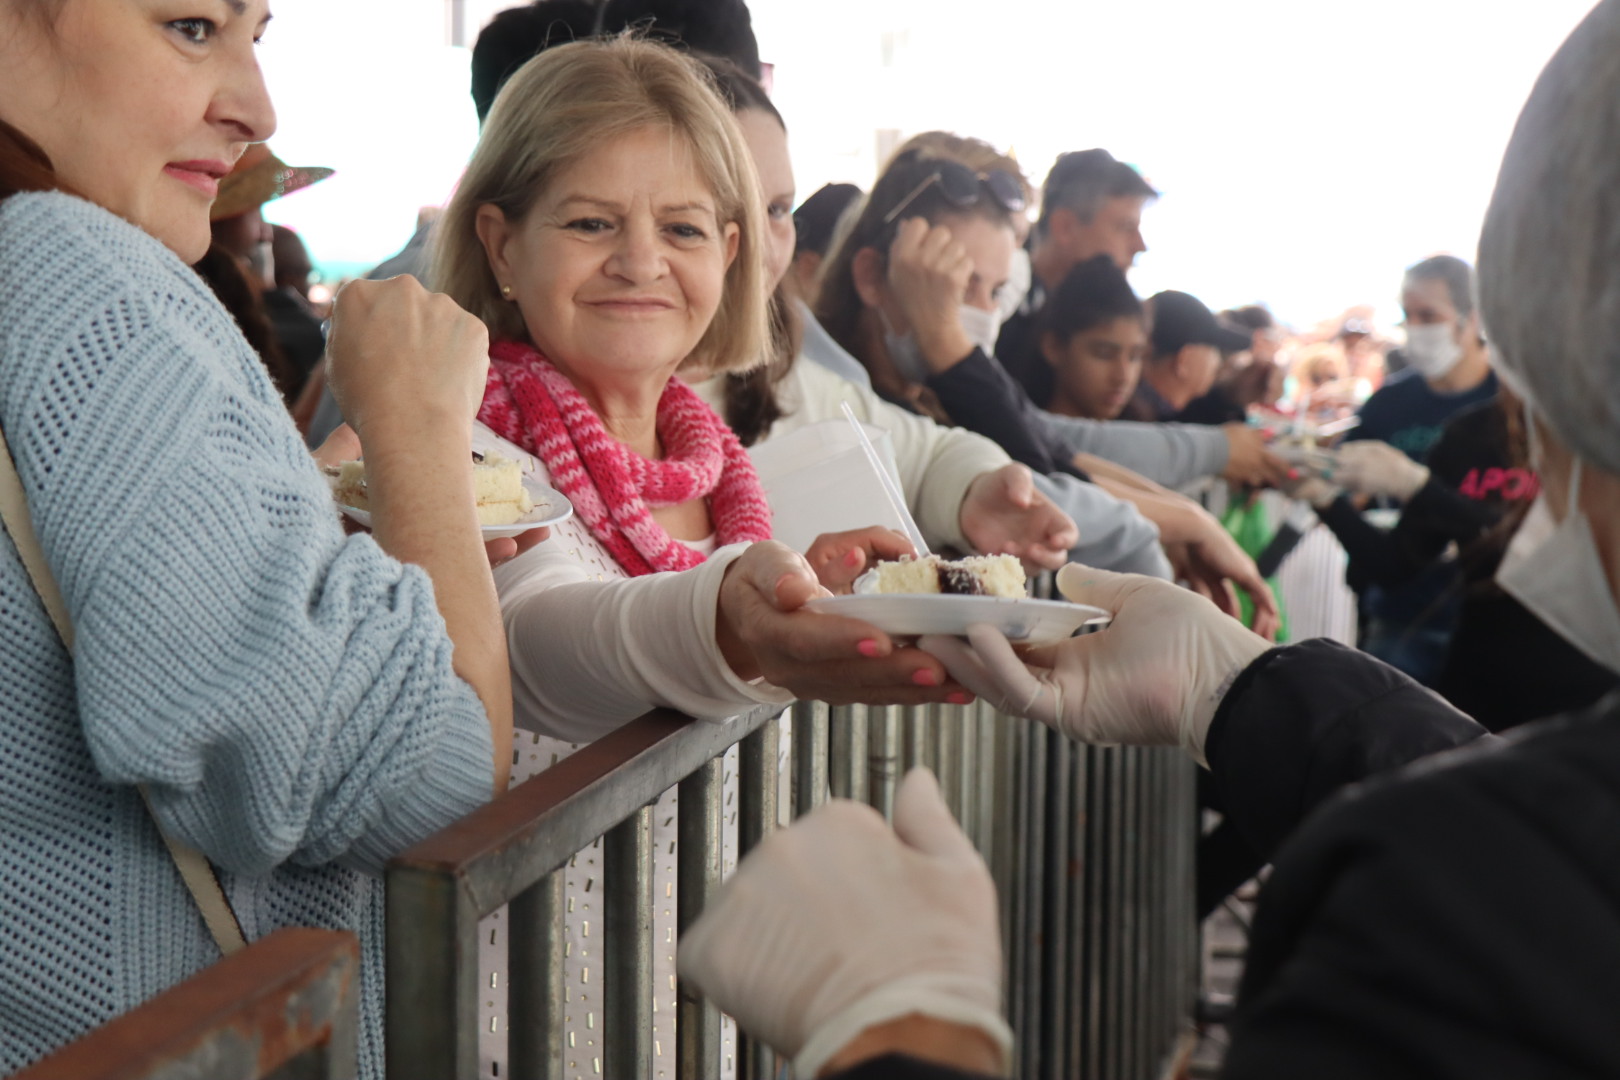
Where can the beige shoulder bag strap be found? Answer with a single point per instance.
(193, 866)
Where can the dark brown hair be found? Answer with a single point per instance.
(23, 165)
(224, 275)
(751, 405)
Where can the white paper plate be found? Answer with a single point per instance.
(1027, 621)
(550, 507)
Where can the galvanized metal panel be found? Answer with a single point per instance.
(431, 1022)
(811, 756)
(698, 858)
(627, 1038)
(536, 1003)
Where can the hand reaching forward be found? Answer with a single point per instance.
(1212, 564)
(1249, 461)
(1154, 677)
(1369, 467)
(840, 924)
(1004, 514)
(839, 558)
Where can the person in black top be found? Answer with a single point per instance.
(1503, 666)
(1456, 914)
(1410, 624)
(1091, 205)
(1248, 376)
(1184, 356)
(1094, 334)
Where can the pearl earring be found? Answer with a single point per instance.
(506, 291)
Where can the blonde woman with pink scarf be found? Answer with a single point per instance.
(609, 232)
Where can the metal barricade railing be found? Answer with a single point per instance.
(284, 1008)
(1091, 850)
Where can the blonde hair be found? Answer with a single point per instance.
(569, 101)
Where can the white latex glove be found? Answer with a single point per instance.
(1369, 467)
(839, 923)
(1320, 493)
(1154, 677)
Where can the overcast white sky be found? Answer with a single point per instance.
(1308, 150)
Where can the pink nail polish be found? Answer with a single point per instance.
(925, 677)
(959, 698)
(867, 647)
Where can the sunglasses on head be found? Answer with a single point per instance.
(961, 188)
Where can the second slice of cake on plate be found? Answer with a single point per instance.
(976, 575)
(497, 486)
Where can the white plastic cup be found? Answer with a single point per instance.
(819, 480)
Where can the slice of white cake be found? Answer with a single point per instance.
(497, 486)
(976, 575)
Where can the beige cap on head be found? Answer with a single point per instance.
(258, 178)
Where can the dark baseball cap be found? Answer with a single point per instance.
(1180, 319)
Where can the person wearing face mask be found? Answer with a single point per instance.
(1456, 920)
(1408, 619)
(1448, 370)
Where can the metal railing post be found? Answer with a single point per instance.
(759, 789)
(968, 719)
(535, 990)
(811, 754)
(758, 792)
(846, 737)
(1056, 939)
(883, 757)
(627, 1036)
(701, 844)
(431, 1028)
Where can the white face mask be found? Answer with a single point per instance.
(981, 327)
(1553, 568)
(1019, 278)
(904, 353)
(1433, 350)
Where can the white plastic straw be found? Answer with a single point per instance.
(897, 501)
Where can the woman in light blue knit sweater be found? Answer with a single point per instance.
(299, 704)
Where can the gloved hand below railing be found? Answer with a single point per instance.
(840, 926)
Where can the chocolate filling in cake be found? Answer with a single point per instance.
(959, 581)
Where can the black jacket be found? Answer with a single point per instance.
(1457, 918)
(978, 394)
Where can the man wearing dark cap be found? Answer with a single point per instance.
(1184, 356)
(1091, 204)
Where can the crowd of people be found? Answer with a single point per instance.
(201, 658)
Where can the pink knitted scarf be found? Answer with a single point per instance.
(531, 403)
